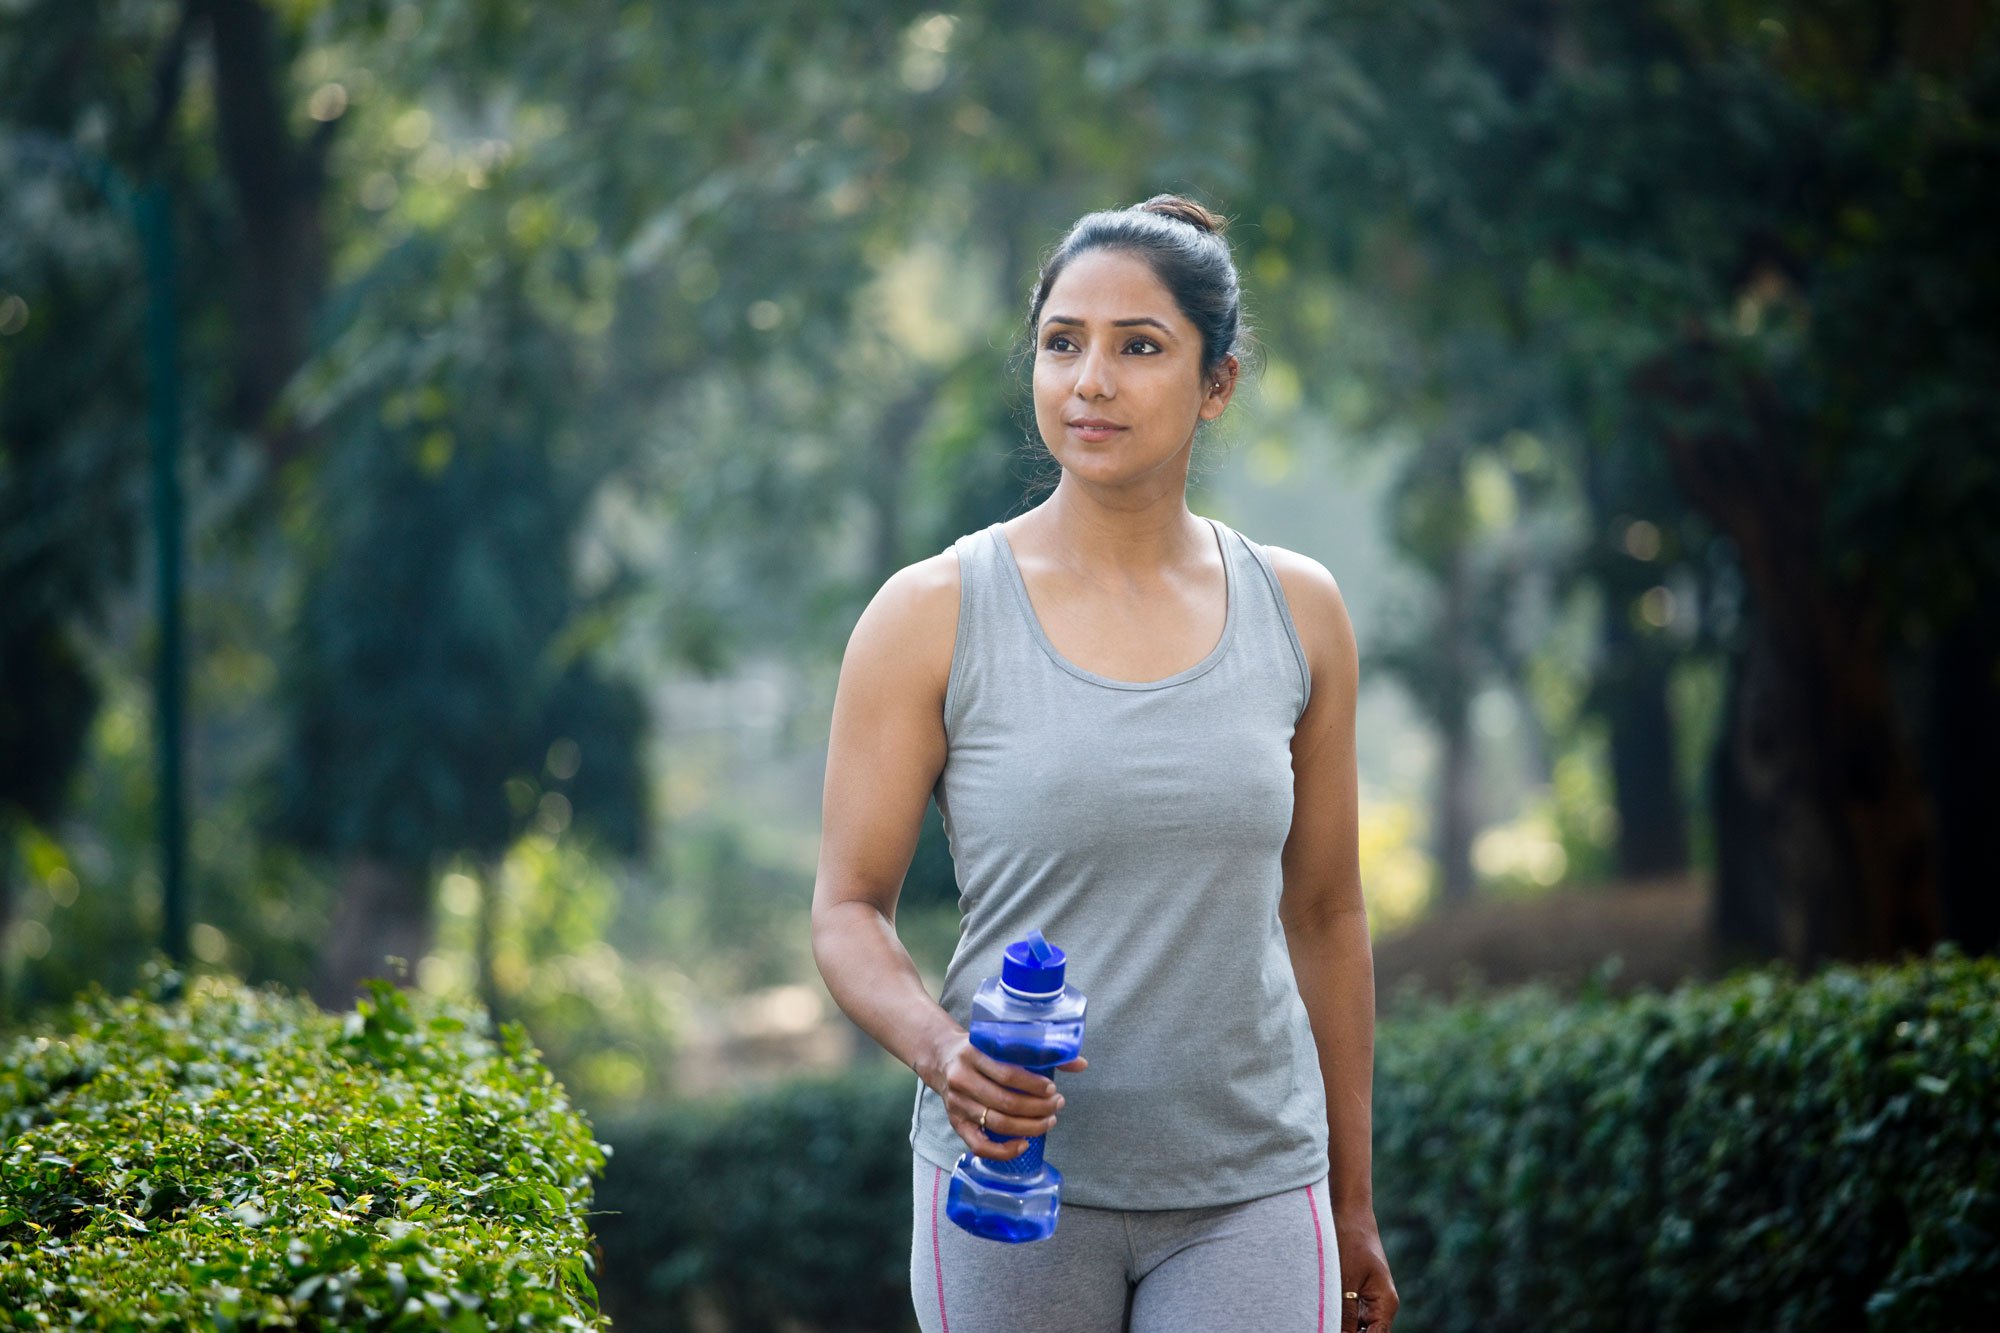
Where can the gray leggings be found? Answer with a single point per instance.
(1268, 1264)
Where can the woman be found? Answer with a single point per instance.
(1140, 728)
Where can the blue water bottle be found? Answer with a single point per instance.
(1027, 1017)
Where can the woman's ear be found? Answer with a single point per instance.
(1221, 385)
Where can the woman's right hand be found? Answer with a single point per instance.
(1015, 1101)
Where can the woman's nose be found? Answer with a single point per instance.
(1093, 375)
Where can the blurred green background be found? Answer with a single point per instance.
(545, 388)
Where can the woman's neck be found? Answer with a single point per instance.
(1118, 539)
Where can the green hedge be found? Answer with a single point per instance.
(236, 1159)
(1759, 1153)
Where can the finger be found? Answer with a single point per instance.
(1014, 1076)
(979, 1145)
(978, 1089)
(1020, 1126)
(972, 1118)
(1074, 1065)
(973, 1112)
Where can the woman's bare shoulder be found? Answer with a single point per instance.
(1304, 579)
(909, 626)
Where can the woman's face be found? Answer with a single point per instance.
(1118, 382)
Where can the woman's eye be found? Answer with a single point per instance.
(1061, 342)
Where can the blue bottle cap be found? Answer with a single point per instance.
(1032, 967)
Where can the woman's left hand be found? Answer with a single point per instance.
(1364, 1270)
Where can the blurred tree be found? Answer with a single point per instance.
(1628, 559)
(1829, 306)
(1436, 656)
(439, 690)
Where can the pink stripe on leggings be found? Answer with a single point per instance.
(937, 1254)
(1319, 1250)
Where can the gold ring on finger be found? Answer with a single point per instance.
(984, 1111)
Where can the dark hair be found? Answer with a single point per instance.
(1182, 242)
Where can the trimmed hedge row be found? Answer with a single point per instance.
(1757, 1153)
(236, 1159)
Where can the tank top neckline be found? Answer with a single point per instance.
(1231, 596)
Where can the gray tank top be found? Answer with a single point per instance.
(1139, 826)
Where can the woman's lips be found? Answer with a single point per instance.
(1093, 429)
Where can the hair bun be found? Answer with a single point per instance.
(1186, 210)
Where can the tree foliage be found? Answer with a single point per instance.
(543, 349)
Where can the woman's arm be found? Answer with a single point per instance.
(1326, 922)
(883, 757)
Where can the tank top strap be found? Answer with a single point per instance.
(990, 631)
(1267, 617)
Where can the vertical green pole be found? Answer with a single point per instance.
(163, 367)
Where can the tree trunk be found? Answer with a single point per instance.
(1632, 698)
(1630, 689)
(1457, 778)
(278, 185)
(1965, 738)
(1828, 779)
(1745, 904)
(1455, 791)
(383, 911)
(1789, 881)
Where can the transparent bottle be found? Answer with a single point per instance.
(1025, 1016)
